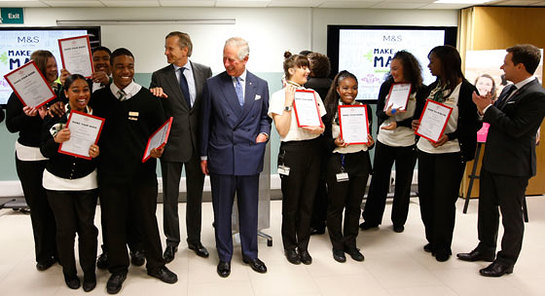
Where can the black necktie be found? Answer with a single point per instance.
(184, 87)
(507, 96)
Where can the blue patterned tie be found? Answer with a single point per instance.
(238, 90)
(184, 87)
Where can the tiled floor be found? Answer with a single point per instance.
(395, 264)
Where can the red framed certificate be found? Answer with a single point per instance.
(306, 108)
(433, 120)
(158, 139)
(30, 85)
(84, 131)
(354, 124)
(76, 55)
(398, 97)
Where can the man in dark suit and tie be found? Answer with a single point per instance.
(235, 130)
(509, 160)
(181, 85)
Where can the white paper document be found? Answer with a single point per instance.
(398, 96)
(433, 120)
(76, 55)
(84, 132)
(158, 139)
(306, 109)
(30, 85)
(353, 123)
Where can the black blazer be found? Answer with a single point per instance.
(184, 139)
(511, 142)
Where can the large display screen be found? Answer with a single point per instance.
(367, 51)
(17, 44)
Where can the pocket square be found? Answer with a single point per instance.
(257, 97)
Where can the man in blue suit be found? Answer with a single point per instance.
(235, 129)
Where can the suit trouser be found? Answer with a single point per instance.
(507, 192)
(172, 172)
(223, 194)
(118, 201)
(43, 222)
(439, 177)
(298, 190)
(347, 196)
(405, 159)
(134, 234)
(75, 213)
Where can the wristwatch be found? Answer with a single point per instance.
(287, 108)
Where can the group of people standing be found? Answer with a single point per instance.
(221, 126)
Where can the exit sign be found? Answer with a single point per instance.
(11, 16)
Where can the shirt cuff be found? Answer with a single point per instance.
(486, 108)
(204, 158)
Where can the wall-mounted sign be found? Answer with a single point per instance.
(11, 16)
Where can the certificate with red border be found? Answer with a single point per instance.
(76, 55)
(30, 86)
(433, 120)
(84, 131)
(158, 139)
(398, 96)
(354, 124)
(306, 108)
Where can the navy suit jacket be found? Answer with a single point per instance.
(229, 131)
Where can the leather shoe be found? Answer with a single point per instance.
(367, 226)
(356, 255)
(256, 264)
(399, 228)
(428, 248)
(115, 282)
(224, 269)
(44, 265)
(476, 255)
(138, 258)
(89, 282)
(72, 281)
(442, 256)
(314, 231)
(496, 269)
(199, 249)
(305, 257)
(338, 255)
(292, 256)
(169, 253)
(164, 274)
(102, 261)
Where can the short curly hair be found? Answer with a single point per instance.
(320, 67)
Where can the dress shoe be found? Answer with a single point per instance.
(428, 248)
(224, 269)
(199, 249)
(305, 257)
(367, 226)
(164, 274)
(169, 253)
(115, 282)
(292, 256)
(138, 258)
(44, 265)
(256, 264)
(338, 255)
(317, 230)
(102, 261)
(496, 269)
(442, 256)
(89, 282)
(399, 228)
(476, 255)
(72, 281)
(356, 255)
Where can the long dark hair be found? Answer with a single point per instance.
(412, 71)
(451, 65)
(332, 99)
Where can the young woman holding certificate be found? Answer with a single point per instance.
(71, 186)
(30, 162)
(348, 168)
(396, 142)
(299, 155)
(441, 163)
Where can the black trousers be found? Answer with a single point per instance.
(507, 193)
(118, 201)
(298, 190)
(346, 196)
(405, 159)
(75, 213)
(319, 210)
(172, 172)
(439, 177)
(43, 222)
(134, 235)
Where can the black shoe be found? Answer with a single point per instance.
(115, 282)
(338, 255)
(256, 264)
(356, 255)
(164, 274)
(44, 265)
(224, 269)
(442, 256)
(292, 256)
(496, 269)
(399, 228)
(367, 226)
(317, 230)
(138, 258)
(428, 248)
(305, 257)
(199, 249)
(72, 281)
(476, 255)
(169, 253)
(89, 282)
(102, 261)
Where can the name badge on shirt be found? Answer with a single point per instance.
(342, 177)
(257, 97)
(283, 170)
(133, 115)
